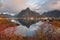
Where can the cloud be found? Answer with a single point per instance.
(14, 5)
(55, 5)
(1, 5)
(39, 6)
(18, 5)
(36, 5)
(52, 5)
(45, 5)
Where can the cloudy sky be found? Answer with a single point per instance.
(35, 5)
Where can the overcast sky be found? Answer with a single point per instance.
(35, 5)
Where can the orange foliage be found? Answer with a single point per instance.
(56, 23)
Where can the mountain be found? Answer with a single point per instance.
(7, 15)
(54, 13)
(27, 17)
(5, 19)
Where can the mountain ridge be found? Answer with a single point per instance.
(53, 13)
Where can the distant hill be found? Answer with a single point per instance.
(8, 16)
(53, 13)
(4, 19)
(27, 13)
